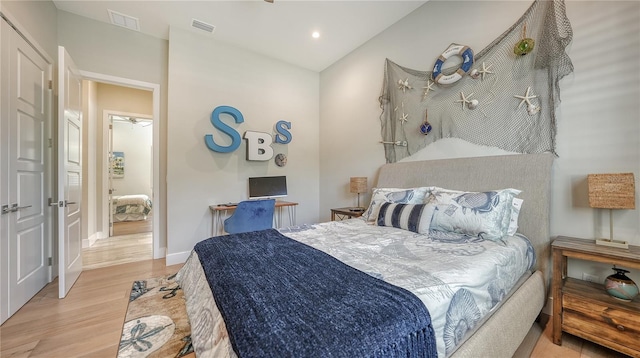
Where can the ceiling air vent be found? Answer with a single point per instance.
(123, 20)
(201, 25)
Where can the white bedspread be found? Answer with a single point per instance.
(130, 207)
(459, 279)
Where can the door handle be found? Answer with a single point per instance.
(67, 203)
(56, 203)
(15, 207)
(5, 209)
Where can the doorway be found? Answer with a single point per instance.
(129, 171)
(125, 110)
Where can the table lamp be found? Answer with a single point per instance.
(358, 185)
(612, 191)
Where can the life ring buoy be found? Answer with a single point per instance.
(467, 61)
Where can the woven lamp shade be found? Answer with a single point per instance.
(358, 185)
(612, 191)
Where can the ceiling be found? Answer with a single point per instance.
(281, 30)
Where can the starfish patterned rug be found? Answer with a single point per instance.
(156, 324)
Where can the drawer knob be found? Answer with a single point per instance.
(620, 327)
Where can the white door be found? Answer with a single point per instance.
(69, 172)
(23, 188)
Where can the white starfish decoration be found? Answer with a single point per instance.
(404, 85)
(404, 118)
(526, 98)
(427, 89)
(464, 99)
(485, 70)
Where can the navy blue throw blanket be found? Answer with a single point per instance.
(282, 298)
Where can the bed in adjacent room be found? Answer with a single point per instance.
(130, 207)
(446, 236)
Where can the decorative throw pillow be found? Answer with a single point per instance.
(412, 217)
(483, 214)
(393, 195)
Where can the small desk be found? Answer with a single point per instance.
(217, 212)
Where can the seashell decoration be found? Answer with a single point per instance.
(533, 109)
(473, 104)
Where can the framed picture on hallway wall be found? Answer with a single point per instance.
(117, 165)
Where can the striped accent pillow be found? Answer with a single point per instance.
(412, 217)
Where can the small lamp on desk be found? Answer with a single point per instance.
(612, 191)
(358, 185)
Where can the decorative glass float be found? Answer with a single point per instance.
(425, 128)
(620, 286)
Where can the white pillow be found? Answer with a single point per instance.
(393, 195)
(483, 214)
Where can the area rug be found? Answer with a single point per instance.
(156, 323)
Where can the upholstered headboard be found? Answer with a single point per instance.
(530, 173)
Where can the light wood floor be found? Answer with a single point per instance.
(133, 227)
(88, 322)
(132, 241)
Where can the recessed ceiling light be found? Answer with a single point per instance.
(315, 34)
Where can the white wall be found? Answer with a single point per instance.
(135, 141)
(598, 129)
(38, 20)
(207, 74)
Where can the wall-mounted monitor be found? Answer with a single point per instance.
(267, 187)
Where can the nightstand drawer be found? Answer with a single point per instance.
(616, 325)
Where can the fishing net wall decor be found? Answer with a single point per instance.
(504, 96)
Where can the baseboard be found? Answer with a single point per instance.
(177, 258)
(90, 241)
(159, 253)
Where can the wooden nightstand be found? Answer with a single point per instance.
(583, 308)
(346, 213)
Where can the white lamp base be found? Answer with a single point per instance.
(613, 243)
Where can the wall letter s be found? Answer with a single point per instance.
(282, 129)
(217, 123)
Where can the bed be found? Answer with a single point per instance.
(498, 327)
(130, 207)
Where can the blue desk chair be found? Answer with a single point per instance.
(252, 215)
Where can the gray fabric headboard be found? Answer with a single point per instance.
(530, 173)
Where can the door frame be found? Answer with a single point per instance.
(107, 138)
(158, 252)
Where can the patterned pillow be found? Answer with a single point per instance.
(393, 195)
(412, 217)
(483, 214)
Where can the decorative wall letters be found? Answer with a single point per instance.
(258, 143)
